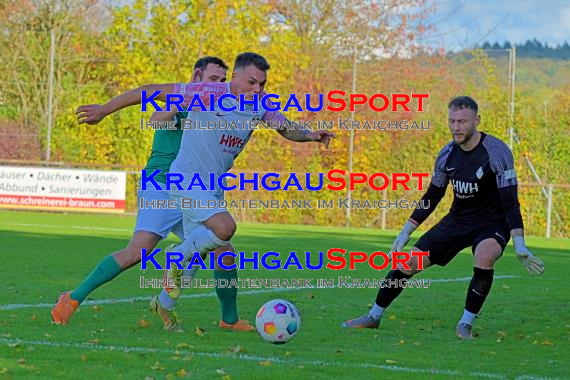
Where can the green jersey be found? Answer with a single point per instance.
(165, 147)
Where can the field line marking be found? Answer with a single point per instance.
(88, 228)
(16, 306)
(256, 358)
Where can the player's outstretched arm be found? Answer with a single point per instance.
(431, 198)
(293, 132)
(509, 199)
(502, 164)
(510, 202)
(94, 113)
(163, 115)
(304, 135)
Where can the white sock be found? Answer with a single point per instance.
(468, 317)
(376, 312)
(166, 302)
(202, 240)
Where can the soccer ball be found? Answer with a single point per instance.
(278, 321)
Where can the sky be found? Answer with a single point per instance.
(464, 23)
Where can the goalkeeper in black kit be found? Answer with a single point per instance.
(484, 215)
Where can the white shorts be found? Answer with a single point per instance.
(160, 221)
(199, 206)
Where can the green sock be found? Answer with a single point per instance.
(106, 270)
(227, 295)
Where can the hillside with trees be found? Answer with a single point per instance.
(102, 51)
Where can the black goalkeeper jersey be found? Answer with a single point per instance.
(476, 177)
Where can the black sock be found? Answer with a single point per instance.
(391, 290)
(479, 288)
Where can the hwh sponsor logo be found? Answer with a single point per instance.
(231, 141)
(465, 187)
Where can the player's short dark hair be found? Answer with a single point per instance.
(246, 59)
(203, 62)
(461, 102)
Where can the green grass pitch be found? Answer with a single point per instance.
(524, 326)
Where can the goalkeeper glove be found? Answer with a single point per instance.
(402, 238)
(532, 263)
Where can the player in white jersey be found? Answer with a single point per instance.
(210, 151)
(208, 229)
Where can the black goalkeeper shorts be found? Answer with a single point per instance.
(448, 237)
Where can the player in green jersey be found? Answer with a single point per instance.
(152, 224)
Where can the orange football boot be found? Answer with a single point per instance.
(63, 309)
(240, 325)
